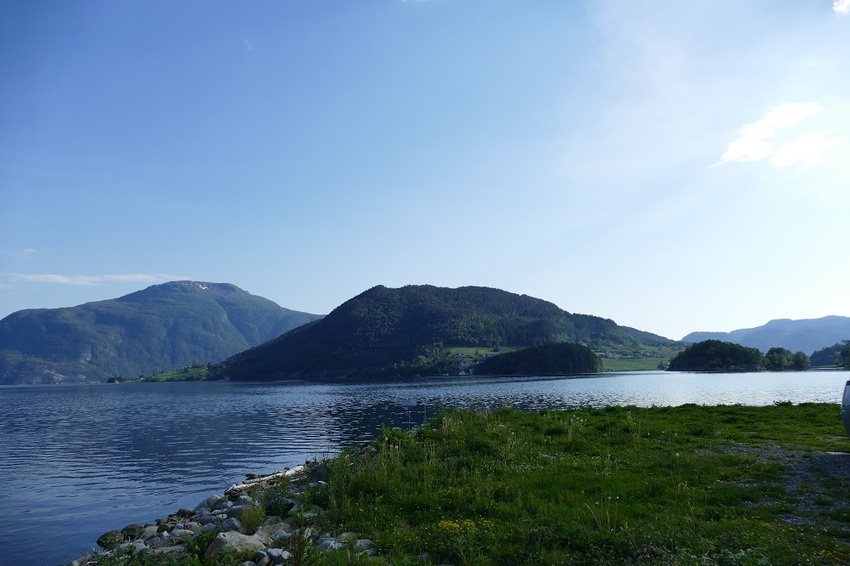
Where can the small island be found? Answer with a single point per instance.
(718, 356)
(559, 358)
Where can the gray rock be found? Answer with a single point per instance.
(136, 545)
(211, 519)
(233, 540)
(192, 526)
(148, 532)
(282, 535)
(278, 555)
(245, 500)
(268, 530)
(182, 533)
(159, 541)
(233, 524)
(206, 528)
(212, 502)
(329, 544)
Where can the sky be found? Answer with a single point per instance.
(673, 166)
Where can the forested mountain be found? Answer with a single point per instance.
(795, 335)
(836, 355)
(407, 331)
(159, 328)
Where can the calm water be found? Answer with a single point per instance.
(77, 461)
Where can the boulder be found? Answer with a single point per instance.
(211, 502)
(133, 531)
(110, 540)
(233, 524)
(235, 541)
(278, 555)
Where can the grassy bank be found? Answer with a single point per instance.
(685, 485)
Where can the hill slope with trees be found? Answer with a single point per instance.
(408, 331)
(159, 328)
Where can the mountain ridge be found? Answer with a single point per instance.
(803, 335)
(161, 327)
(406, 331)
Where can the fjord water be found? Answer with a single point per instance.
(80, 460)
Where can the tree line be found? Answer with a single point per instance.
(715, 355)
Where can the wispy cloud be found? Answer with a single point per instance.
(806, 151)
(841, 7)
(757, 140)
(89, 280)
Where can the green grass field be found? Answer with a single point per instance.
(685, 485)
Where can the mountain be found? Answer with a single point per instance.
(159, 328)
(805, 336)
(407, 331)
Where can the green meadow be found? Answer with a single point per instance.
(617, 485)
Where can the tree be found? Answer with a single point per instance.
(845, 354)
(800, 361)
(778, 359)
(714, 355)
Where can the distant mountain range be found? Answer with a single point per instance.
(162, 327)
(408, 331)
(805, 336)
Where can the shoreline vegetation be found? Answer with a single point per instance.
(691, 484)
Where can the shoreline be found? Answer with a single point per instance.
(231, 522)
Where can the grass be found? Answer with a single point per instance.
(193, 373)
(690, 484)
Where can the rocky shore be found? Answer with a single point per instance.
(265, 518)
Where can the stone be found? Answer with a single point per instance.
(235, 541)
(136, 545)
(233, 524)
(327, 542)
(278, 555)
(182, 533)
(148, 532)
(133, 531)
(211, 502)
(159, 541)
(245, 500)
(110, 540)
(282, 535)
(211, 519)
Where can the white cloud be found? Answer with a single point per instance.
(90, 279)
(841, 7)
(756, 141)
(807, 150)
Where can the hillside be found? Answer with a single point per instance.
(159, 328)
(796, 335)
(407, 331)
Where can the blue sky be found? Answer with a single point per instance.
(674, 166)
